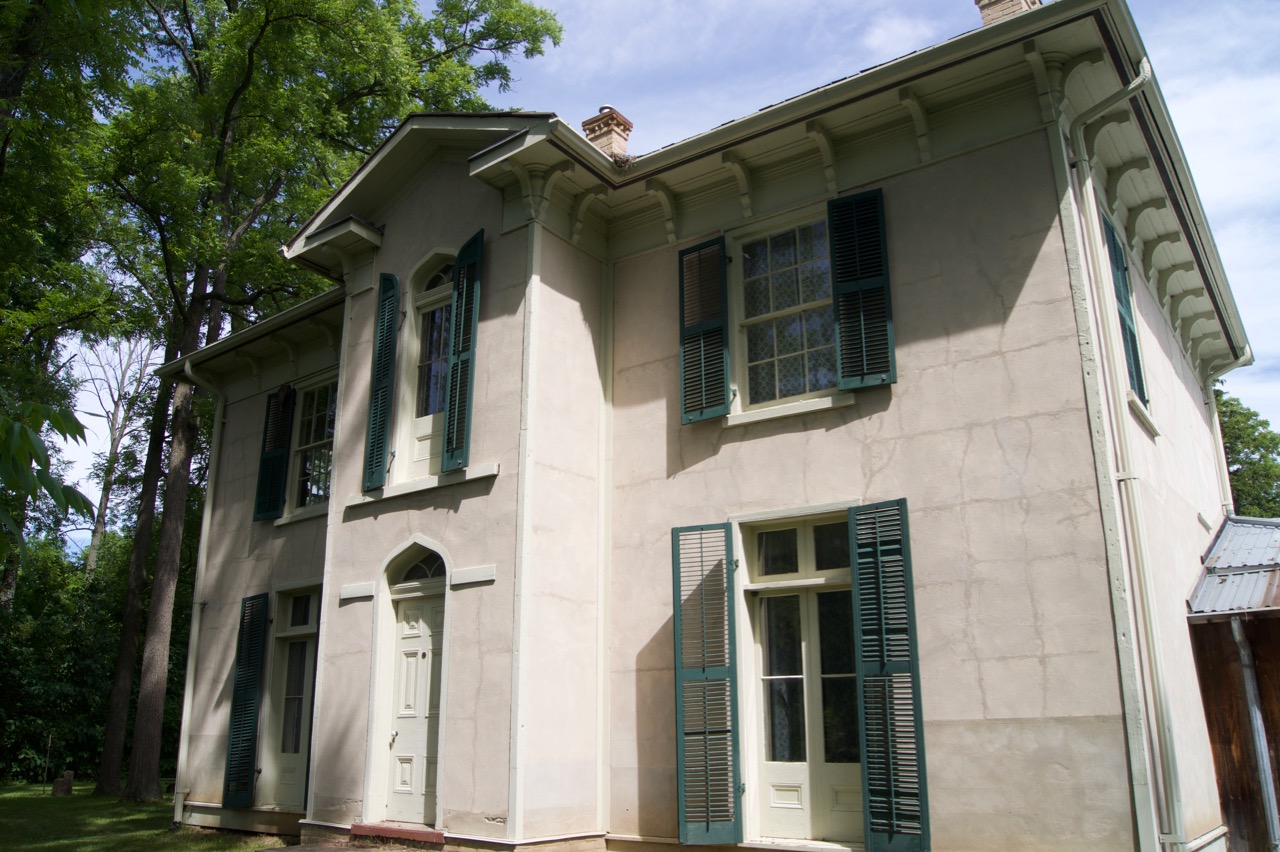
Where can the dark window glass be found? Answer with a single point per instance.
(300, 612)
(778, 552)
(831, 546)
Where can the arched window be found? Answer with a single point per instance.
(429, 567)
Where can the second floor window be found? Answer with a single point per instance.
(433, 360)
(313, 450)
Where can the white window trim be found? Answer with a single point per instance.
(740, 413)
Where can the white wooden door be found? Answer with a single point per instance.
(297, 671)
(415, 723)
(811, 785)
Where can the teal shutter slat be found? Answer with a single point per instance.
(382, 382)
(465, 317)
(895, 802)
(707, 769)
(704, 333)
(1124, 305)
(860, 289)
(273, 465)
(246, 694)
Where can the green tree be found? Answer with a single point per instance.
(248, 116)
(1253, 458)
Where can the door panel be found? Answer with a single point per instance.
(415, 721)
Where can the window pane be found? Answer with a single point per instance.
(815, 281)
(294, 682)
(840, 719)
(791, 378)
(782, 636)
(760, 342)
(835, 632)
(831, 546)
(822, 368)
(813, 241)
(755, 259)
(786, 719)
(300, 611)
(433, 360)
(756, 297)
(786, 293)
(782, 250)
(790, 334)
(819, 327)
(777, 552)
(761, 382)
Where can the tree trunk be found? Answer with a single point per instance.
(13, 559)
(144, 759)
(100, 518)
(131, 619)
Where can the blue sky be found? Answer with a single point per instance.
(677, 69)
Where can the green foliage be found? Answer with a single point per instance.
(1253, 458)
(55, 673)
(33, 821)
(26, 470)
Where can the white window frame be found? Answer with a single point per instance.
(741, 410)
(271, 719)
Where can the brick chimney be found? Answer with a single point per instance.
(608, 130)
(997, 10)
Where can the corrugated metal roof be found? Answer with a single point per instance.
(1241, 570)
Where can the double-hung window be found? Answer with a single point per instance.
(809, 312)
(829, 676)
(296, 464)
(313, 449)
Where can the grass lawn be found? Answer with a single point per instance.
(31, 819)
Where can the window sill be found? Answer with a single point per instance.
(1142, 414)
(315, 510)
(815, 845)
(840, 399)
(426, 483)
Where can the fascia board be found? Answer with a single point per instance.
(316, 304)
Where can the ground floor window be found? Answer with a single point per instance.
(812, 705)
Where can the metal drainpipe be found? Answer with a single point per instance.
(1168, 792)
(1261, 752)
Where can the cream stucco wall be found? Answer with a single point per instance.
(472, 522)
(985, 433)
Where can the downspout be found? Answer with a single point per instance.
(180, 789)
(1168, 791)
(1261, 751)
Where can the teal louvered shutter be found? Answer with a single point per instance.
(273, 465)
(707, 769)
(382, 383)
(704, 333)
(1124, 305)
(860, 289)
(246, 695)
(895, 803)
(464, 318)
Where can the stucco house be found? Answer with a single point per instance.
(834, 479)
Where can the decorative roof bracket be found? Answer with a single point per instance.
(825, 150)
(734, 164)
(667, 200)
(920, 119)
